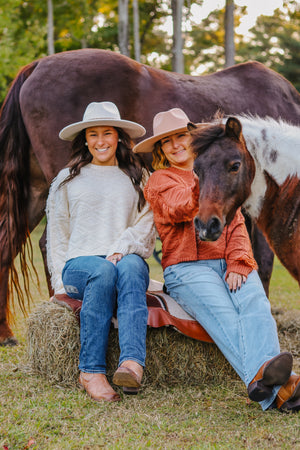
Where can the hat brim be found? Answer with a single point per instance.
(134, 130)
(147, 145)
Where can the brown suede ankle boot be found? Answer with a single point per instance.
(276, 371)
(288, 397)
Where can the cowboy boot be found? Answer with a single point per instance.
(129, 375)
(288, 397)
(97, 387)
(276, 371)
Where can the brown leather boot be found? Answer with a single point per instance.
(276, 371)
(129, 375)
(97, 387)
(288, 397)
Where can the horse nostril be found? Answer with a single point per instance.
(210, 231)
(214, 226)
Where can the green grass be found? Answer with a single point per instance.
(36, 415)
(284, 290)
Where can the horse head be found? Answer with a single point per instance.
(225, 169)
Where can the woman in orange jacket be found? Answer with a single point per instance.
(215, 282)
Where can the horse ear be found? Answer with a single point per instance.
(191, 126)
(233, 128)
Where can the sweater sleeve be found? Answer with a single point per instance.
(58, 232)
(238, 254)
(172, 199)
(140, 237)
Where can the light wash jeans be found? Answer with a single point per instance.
(240, 323)
(102, 286)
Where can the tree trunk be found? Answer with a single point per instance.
(177, 55)
(229, 33)
(136, 30)
(123, 27)
(50, 36)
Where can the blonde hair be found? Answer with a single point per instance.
(159, 158)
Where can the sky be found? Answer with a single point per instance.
(254, 8)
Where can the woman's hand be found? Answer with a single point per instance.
(235, 281)
(116, 257)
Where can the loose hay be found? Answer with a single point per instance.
(288, 324)
(53, 350)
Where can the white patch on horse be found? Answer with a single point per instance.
(275, 148)
(254, 202)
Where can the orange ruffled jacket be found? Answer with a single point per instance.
(173, 196)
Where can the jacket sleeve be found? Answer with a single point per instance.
(238, 254)
(58, 232)
(172, 200)
(140, 237)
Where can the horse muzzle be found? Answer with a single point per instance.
(211, 231)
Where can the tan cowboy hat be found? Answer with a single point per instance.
(164, 124)
(103, 113)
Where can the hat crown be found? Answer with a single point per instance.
(168, 121)
(101, 110)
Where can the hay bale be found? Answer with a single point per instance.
(172, 359)
(53, 351)
(53, 343)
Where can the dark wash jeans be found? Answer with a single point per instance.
(102, 286)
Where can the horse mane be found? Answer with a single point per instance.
(274, 145)
(204, 135)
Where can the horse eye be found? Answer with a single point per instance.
(235, 167)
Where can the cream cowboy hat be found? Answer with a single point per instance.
(103, 113)
(164, 124)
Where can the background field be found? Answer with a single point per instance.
(36, 415)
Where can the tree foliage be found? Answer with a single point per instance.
(275, 40)
(23, 38)
(205, 42)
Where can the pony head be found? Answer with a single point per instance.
(225, 169)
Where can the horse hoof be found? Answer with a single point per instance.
(9, 342)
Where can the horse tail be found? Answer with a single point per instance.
(14, 194)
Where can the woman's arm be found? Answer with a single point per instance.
(139, 238)
(173, 199)
(238, 254)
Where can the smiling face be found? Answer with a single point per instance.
(176, 148)
(102, 144)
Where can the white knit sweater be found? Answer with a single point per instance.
(95, 214)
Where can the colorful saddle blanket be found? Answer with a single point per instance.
(163, 311)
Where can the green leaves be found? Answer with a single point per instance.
(275, 40)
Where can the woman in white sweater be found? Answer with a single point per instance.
(100, 229)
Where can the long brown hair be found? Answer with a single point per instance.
(130, 163)
(160, 160)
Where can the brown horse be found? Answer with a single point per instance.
(54, 91)
(258, 169)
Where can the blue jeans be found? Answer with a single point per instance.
(102, 287)
(240, 323)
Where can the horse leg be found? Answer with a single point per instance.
(261, 251)
(264, 258)
(6, 335)
(38, 196)
(42, 243)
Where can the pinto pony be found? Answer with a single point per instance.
(258, 169)
(54, 91)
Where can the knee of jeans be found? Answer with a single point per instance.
(105, 273)
(134, 266)
(134, 263)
